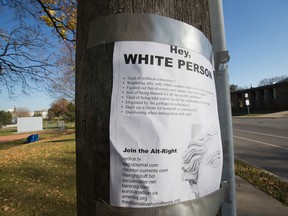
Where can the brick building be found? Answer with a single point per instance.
(273, 96)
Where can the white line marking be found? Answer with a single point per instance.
(268, 144)
(271, 135)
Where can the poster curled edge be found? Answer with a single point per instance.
(148, 27)
(208, 205)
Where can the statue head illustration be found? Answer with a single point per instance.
(201, 162)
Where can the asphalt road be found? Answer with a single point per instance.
(262, 142)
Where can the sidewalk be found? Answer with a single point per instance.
(283, 114)
(253, 202)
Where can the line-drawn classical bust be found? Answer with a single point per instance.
(202, 162)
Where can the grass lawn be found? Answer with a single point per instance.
(39, 178)
(7, 131)
(265, 181)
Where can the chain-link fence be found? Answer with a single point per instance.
(58, 125)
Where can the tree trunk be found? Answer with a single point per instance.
(94, 87)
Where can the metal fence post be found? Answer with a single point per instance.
(228, 208)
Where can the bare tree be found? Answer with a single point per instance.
(64, 85)
(27, 57)
(270, 81)
(59, 14)
(234, 87)
(23, 60)
(23, 112)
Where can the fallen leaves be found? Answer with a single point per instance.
(263, 180)
(39, 178)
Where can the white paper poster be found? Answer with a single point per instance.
(165, 139)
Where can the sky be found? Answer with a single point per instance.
(256, 38)
(36, 100)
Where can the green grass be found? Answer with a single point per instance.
(42, 136)
(263, 180)
(39, 178)
(7, 131)
(8, 145)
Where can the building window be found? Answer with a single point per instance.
(253, 96)
(274, 93)
(263, 94)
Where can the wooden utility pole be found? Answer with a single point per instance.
(94, 87)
